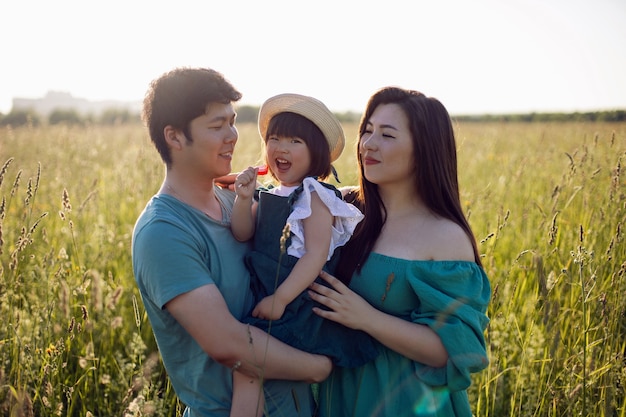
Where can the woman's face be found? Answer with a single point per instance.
(386, 147)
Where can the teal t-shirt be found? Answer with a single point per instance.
(177, 248)
(450, 297)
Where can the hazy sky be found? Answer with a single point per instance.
(476, 56)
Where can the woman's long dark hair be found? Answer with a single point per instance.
(434, 155)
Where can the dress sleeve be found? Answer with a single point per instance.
(453, 302)
(346, 217)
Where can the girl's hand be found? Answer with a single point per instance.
(269, 308)
(346, 306)
(245, 184)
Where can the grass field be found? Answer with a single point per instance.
(547, 203)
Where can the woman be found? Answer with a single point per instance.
(412, 275)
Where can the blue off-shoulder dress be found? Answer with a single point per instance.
(450, 297)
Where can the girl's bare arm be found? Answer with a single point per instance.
(317, 235)
(243, 216)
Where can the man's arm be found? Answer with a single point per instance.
(242, 347)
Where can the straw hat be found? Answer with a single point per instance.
(312, 109)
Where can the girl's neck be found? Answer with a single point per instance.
(284, 190)
(290, 185)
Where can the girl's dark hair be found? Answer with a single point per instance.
(178, 97)
(434, 156)
(288, 124)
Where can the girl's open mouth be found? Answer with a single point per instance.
(282, 164)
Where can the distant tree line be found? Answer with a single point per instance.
(249, 114)
(28, 117)
(598, 116)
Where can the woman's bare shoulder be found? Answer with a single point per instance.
(449, 241)
(432, 238)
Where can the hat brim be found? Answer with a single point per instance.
(312, 109)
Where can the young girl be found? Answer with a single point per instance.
(302, 138)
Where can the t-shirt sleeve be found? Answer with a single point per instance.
(171, 261)
(453, 302)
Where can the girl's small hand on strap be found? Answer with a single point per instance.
(346, 306)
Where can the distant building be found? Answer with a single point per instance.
(62, 100)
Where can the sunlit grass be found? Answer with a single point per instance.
(546, 202)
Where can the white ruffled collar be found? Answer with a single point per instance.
(283, 191)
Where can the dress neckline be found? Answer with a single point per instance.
(424, 261)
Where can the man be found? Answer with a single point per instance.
(190, 269)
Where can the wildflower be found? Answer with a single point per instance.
(390, 279)
(114, 298)
(489, 236)
(553, 230)
(29, 192)
(149, 408)
(135, 406)
(83, 309)
(25, 404)
(4, 168)
(64, 296)
(16, 183)
(67, 206)
(284, 238)
(117, 322)
(70, 328)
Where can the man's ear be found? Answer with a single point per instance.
(174, 137)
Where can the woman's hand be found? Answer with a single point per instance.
(346, 306)
(417, 342)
